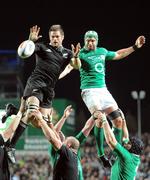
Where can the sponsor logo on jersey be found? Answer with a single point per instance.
(65, 55)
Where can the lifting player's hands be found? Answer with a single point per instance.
(76, 50)
(99, 117)
(37, 115)
(34, 33)
(67, 111)
(140, 41)
(50, 114)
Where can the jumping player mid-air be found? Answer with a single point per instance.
(51, 60)
(93, 87)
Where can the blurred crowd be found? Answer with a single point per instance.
(35, 167)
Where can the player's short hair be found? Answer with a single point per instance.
(74, 142)
(137, 146)
(57, 27)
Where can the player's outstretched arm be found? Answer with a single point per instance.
(109, 135)
(49, 133)
(125, 137)
(140, 41)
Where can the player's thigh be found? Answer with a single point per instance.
(91, 99)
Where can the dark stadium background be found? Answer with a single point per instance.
(118, 27)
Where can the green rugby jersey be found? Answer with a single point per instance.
(126, 165)
(92, 71)
(81, 138)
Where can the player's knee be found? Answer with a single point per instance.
(116, 117)
(116, 114)
(31, 108)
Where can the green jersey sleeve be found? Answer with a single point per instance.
(81, 137)
(110, 55)
(52, 154)
(122, 152)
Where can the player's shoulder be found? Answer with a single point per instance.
(102, 49)
(44, 46)
(67, 50)
(83, 49)
(41, 44)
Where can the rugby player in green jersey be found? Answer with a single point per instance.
(127, 151)
(93, 87)
(81, 137)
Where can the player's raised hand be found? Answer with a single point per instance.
(67, 111)
(76, 50)
(140, 41)
(34, 33)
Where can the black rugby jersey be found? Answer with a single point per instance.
(4, 166)
(50, 62)
(66, 167)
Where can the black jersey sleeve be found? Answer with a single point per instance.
(38, 46)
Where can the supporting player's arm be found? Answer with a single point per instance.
(125, 137)
(127, 51)
(88, 126)
(58, 126)
(83, 134)
(49, 133)
(109, 135)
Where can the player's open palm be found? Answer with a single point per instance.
(67, 111)
(76, 49)
(34, 33)
(140, 41)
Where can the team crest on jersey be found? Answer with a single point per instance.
(99, 68)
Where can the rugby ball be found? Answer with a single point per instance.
(26, 49)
